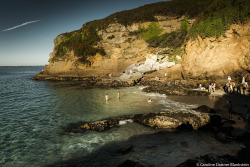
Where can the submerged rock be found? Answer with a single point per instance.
(100, 125)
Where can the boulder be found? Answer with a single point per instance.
(156, 66)
(150, 62)
(166, 65)
(160, 57)
(144, 68)
(129, 69)
(152, 57)
(136, 75)
(124, 76)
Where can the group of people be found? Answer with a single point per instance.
(232, 87)
(212, 87)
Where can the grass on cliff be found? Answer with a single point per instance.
(146, 13)
(153, 35)
(83, 42)
(219, 16)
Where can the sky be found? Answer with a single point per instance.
(28, 27)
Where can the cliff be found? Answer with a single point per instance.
(209, 43)
(219, 57)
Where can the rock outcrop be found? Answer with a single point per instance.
(123, 50)
(210, 58)
(164, 120)
(218, 58)
(130, 55)
(152, 63)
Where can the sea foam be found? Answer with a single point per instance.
(123, 122)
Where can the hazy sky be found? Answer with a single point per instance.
(28, 27)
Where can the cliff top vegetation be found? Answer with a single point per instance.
(213, 17)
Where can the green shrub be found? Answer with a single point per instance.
(172, 40)
(153, 30)
(219, 16)
(185, 25)
(61, 51)
(82, 42)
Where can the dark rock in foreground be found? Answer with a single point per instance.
(129, 163)
(212, 159)
(164, 120)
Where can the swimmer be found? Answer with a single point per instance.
(107, 97)
(118, 94)
(149, 100)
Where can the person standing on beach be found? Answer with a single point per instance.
(244, 87)
(210, 88)
(233, 85)
(214, 85)
(200, 86)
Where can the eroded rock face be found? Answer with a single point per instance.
(210, 58)
(122, 49)
(152, 63)
(164, 120)
(218, 58)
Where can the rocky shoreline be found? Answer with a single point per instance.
(170, 87)
(87, 80)
(160, 120)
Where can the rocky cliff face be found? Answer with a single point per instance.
(218, 58)
(129, 56)
(122, 49)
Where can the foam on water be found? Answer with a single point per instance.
(177, 106)
(123, 122)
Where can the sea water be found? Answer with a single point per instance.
(34, 115)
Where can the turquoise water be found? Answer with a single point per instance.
(34, 114)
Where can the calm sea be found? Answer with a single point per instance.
(34, 114)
